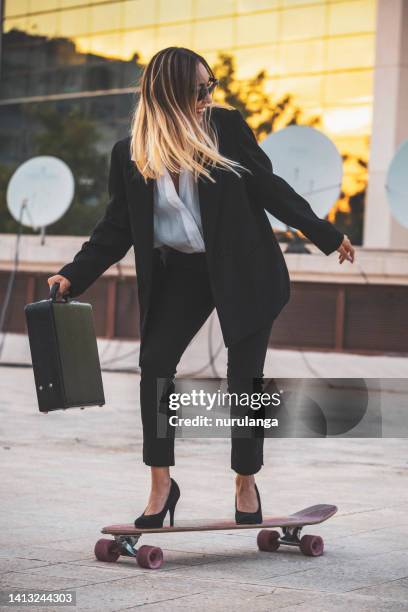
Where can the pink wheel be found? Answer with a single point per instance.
(149, 557)
(268, 540)
(311, 545)
(106, 550)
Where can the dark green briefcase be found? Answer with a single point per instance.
(64, 353)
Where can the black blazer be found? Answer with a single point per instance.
(247, 270)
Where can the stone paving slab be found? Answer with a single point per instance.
(349, 602)
(396, 590)
(26, 580)
(11, 564)
(348, 576)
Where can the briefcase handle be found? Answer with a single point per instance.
(54, 291)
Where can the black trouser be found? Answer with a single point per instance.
(181, 302)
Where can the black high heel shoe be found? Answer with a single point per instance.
(249, 518)
(152, 521)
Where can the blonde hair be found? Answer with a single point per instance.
(165, 130)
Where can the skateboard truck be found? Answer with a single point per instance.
(127, 545)
(290, 536)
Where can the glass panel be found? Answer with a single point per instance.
(42, 5)
(15, 7)
(347, 120)
(141, 42)
(102, 74)
(250, 61)
(347, 17)
(83, 44)
(212, 59)
(351, 52)
(44, 24)
(38, 82)
(138, 13)
(178, 35)
(212, 8)
(105, 18)
(107, 45)
(302, 57)
(354, 145)
(175, 10)
(131, 71)
(15, 23)
(257, 29)
(353, 182)
(14, 79)
(74, 22)
(156, 45)
(303, 23)
(349, 88)
(208, 34)
(310, 112)
(246, 6)
(15, 57)
(305, 90)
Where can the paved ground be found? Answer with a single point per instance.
(66, 474)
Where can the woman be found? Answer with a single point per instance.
(188, 190)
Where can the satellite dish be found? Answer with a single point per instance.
(396, 185)
(310, 162)
(40, 191)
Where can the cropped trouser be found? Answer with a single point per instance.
(181, 302)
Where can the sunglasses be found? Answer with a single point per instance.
(203, 90)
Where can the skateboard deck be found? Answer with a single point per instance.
(126, 536)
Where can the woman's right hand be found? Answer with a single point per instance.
(64, 284)
(346, 250)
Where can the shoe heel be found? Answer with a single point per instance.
(171, 511)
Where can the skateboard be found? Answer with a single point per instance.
(126, 537)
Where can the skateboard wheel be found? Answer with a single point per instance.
(106, 550)
(268, 540)
(311, 545)
(149, 557)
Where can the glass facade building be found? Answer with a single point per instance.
(61, 57)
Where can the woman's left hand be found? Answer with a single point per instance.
(346, 250)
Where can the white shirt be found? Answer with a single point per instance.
(177, 219)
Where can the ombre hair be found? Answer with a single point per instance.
(165, 129)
